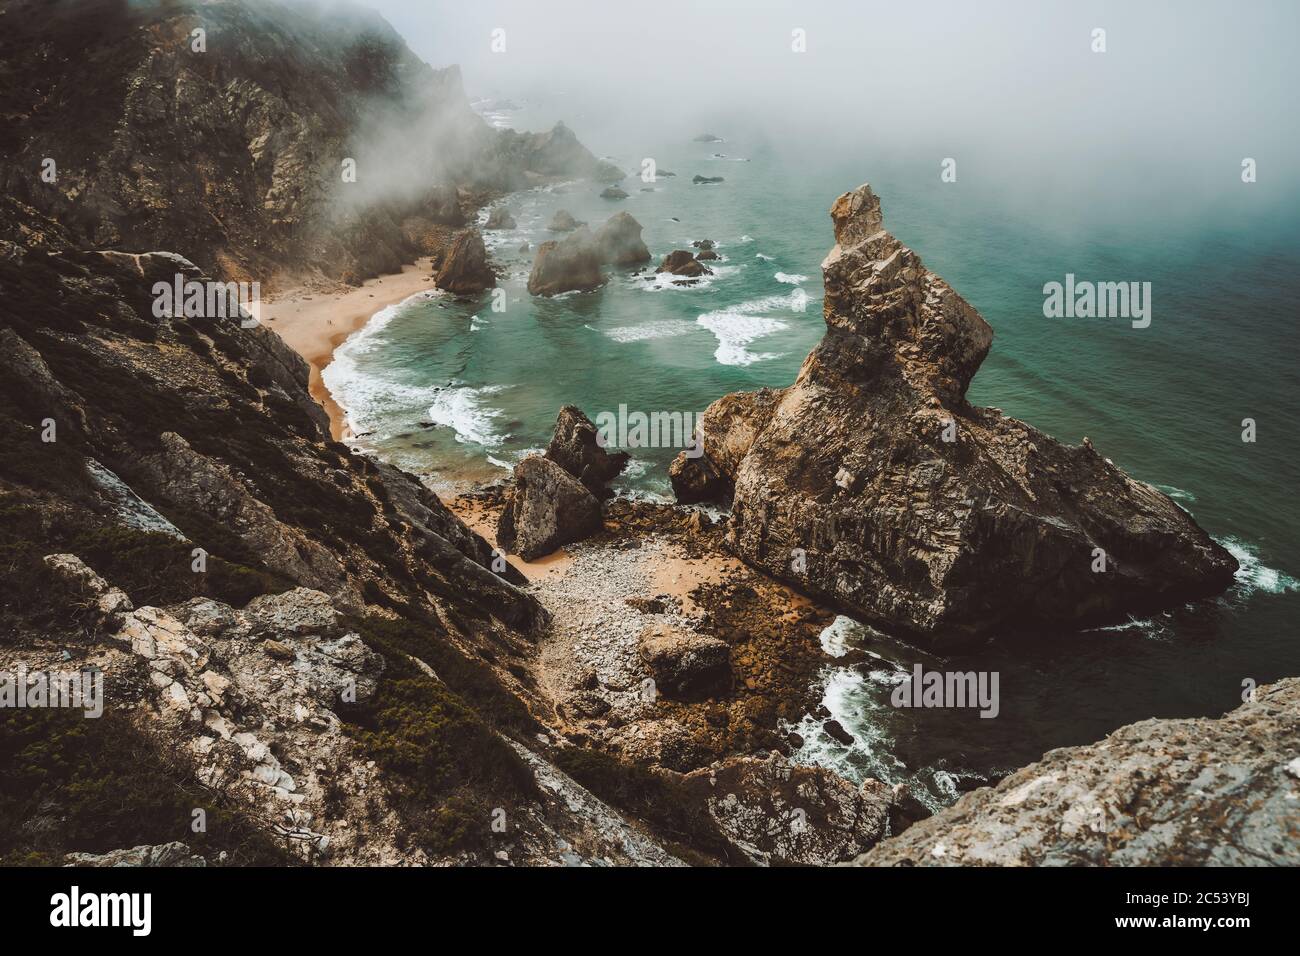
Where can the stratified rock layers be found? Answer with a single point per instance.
(871, 481)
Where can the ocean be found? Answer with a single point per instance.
(458, 392)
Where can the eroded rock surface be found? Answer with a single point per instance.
(568, 265)
(575, 447)
(466, 269)
(1199, 792)
(778, 813)
(548, 508)
(873, 483)
(619, 241)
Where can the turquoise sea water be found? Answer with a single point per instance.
(457, 392)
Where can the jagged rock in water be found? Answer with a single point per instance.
(500, 218)
(548, 508)
(613, 192)
(680, 262)
(871, 482)
(466, 270)
(575, 447)
(1194, 792)
(571, 264)
(563, 221)
(619, 241)
(685, 666)
(778, 813)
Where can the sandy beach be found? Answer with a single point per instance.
(314, 323)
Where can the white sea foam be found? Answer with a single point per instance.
(789, 278)
(834, 639)
(661, 281)
(365, 398)
(759, 255)
(1178, 494)
(461, 408)
(735, 327)
(651, 330)
(1252, 576)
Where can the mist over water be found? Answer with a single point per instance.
(1122, 166)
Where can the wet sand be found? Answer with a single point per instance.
(314, 323)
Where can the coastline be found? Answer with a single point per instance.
(314, 323)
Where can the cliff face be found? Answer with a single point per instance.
(300, 641)
(234, 155)
(873, 483)
(1198, 792)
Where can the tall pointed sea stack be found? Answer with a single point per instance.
(871, 482)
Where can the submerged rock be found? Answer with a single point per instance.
(680, 262)
(1199, 792)
(568, 265)
(466, 270)
(619, 241)
(575, 447)
(707, 180)
(871, 482)
(548, 508)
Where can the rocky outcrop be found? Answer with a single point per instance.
(568, 265)
(685, 666)
(575, 447)
(872, 482)
(1199, 792)
(164, 854)
(547, 508)
(465, 270)
(707, 180)
(680, 262)
(619, 241)
(342, 159)
(777, 813)
(500, 218)
(613, 192)
(563, 221)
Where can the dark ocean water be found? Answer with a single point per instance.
(1165, 403)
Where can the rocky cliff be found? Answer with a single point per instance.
(1201, 792)
(283, 138)
(873, 483)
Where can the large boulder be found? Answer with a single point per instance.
(685, 666)
(466, 270)
(680, 262)
(619, 241)
(575, 447)
(778, 813)
(873, 484)
(568, 265)
(548, 508)
(1198, 792)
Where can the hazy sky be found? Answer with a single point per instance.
(1184, 90)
